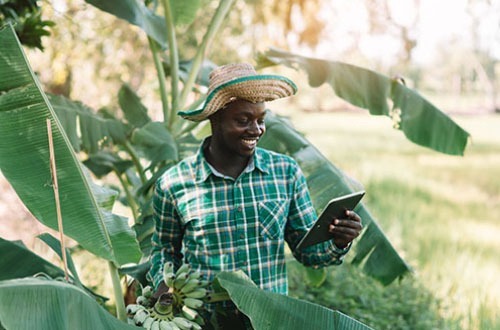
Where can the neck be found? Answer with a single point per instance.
(229, 164)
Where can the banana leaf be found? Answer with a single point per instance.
(33, 303)
(104, 162)
(269, 310)
(18, 261)
(136, 13)
(24, 161)
(155, 142)
(135, 112)
(55, 245)
(326, 181)
(94, 128)
(421, 122)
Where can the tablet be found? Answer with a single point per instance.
(334, 209)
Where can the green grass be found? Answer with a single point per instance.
(441, 212)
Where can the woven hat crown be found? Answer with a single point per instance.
(240, 81)
(226, 73)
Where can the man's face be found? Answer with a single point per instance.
(237, 128)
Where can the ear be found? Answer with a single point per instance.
(214, 120)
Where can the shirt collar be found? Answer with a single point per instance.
(204, 169)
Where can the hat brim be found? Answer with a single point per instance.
(258, 88)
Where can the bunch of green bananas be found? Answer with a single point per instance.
(178, 308)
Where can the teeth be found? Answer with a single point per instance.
(250, 142)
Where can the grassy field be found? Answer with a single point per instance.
(440, 212)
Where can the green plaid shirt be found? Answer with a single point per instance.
(217, 223)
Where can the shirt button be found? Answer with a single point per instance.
(245, 263)
(240, 208)
(242, 236)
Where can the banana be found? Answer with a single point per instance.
(147, 291)
(174, 326)
(187, 288)
(180, 280)
(168, 272)
(189, 313)
(198, 293)
(165, 325)
(141, 316)
(141, 300)
(182, 323)
(190, 285)
(133, 308)
(168, 267)
(185, 268)
(148, 322)
(199, 320)
(155, 325)
(195, 325)
(193, 303)
(204, 283)
(195, 275)
(169, 279)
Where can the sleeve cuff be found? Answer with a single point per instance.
(340, 251)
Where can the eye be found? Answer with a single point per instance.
(242, 121)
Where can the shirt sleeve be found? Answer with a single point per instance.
(167, 236)
(301, 217)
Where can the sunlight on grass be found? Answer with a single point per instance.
(439, 211)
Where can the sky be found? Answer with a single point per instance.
(440, 22)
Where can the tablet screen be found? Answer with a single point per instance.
(335, 209)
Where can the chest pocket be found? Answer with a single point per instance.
(272, 219)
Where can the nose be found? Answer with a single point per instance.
(256, 128)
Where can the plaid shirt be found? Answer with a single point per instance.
(217, 223)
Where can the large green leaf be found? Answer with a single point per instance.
(135, 112)
(269, 310)
(40, 304)
(18, 261)
(136, 13)
(104, 162)
(155, 142)
(55, 245)
(24, 161)
(94, 129)
(326, 181)
(420, 120)
(184, 12)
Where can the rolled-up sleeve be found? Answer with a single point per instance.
(301, 217)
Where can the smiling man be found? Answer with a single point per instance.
(233, 205)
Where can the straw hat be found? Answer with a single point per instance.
(240, 81)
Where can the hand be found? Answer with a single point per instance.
(345, 230)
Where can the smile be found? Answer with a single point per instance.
(250, 142)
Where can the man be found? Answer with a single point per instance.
(233, 205)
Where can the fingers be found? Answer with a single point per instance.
(351, 232)
(352, 215)
(350, 227)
